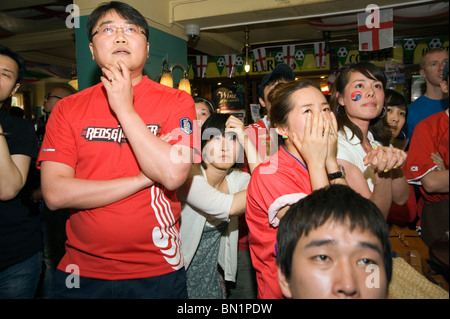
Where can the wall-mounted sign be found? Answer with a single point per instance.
(228, 98)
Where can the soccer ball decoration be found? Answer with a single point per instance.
(342, 52)
(435, 43)
(239, 60)
(299, 55)
(409, 45)
(220, 62)
(279, 57)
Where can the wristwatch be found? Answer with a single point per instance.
(339, 174)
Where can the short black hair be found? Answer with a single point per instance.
(16, 57)
(394, 98)
(209, 103)
(338, 203)
(213, 126)
(123, 10)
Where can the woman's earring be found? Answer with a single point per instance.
(383, 113)
(284, 137)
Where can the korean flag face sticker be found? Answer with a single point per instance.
(356, 96)
(186, 125)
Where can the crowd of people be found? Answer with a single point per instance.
(145, 192)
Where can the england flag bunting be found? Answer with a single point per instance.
(320, 54)
(202, 63)
(260, 58)
(376, 30)
(230, 64)
(288, 54)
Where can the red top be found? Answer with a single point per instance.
(259, 135)
(282, 174)
(138, 236)
(431, 135)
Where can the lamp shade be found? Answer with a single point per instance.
(74, 83)
(166, 79)
(185, 85)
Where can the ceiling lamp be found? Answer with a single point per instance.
(247, 46)
(167, 80)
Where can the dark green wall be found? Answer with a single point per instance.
(162, 45)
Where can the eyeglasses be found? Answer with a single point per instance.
(109, 29)
(49, 95)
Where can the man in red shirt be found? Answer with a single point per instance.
(430, 136)
(102, 158)
(259, 132)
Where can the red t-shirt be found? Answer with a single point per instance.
(136, 237)
(282, 174)
(431, 135)
(259, 135)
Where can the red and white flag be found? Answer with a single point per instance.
(288, 54)
(320, 54)
(230, 64)
(202, 63)
(375, 29)
(260, 58)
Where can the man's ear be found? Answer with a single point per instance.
(422, 73)
(14, 90)
(284, 284)
(444, 86)
(91, 47)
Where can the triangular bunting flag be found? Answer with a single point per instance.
(190, 65)
(240, 60)
(220, 62)
(342, 53)
(376, 30)
(260, 59)
(434, 43)
(409, 46)
(288, 54)
(230, 64)
(320, 54)
(299, 57)
(202, 63)
(278, 56)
